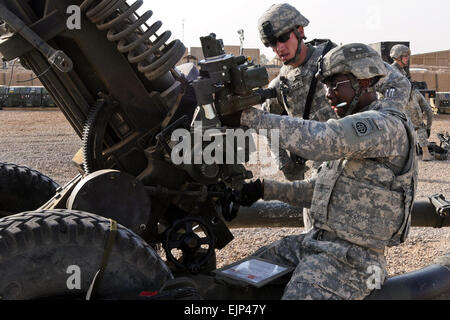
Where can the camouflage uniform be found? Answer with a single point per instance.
(398, 51)
(394, 91)
(360, 201)
(294, 83)
(398, 68)
(415, 109)
(417, 106)
(351, 229)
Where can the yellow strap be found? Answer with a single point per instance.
(99, 275)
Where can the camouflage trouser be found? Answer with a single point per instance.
(326, 270)
(422, 137)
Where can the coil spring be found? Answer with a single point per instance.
(154, 58)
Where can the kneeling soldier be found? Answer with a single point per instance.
(362, 198)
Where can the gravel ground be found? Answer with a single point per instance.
(43, 140)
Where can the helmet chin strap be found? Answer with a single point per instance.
(400, 63)
(299, 48)
(358, 93)
(353, 107)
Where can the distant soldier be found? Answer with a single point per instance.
(417, 105)
(362, 198)
(400, 54)
(300, 95)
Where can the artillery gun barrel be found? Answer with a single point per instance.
(277, 214)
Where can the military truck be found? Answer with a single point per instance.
(21, 96)
(116, 82)
(3, 91)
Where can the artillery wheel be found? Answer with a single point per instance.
(23, 189)
(56, 254)
(196, 250)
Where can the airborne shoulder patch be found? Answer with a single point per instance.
(364, 127)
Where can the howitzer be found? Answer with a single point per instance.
(115, 79)
(116, 82)
(228, 83)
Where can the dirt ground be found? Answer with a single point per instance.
(43, 140)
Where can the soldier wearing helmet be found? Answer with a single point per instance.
(281, 23)
(400, 54)
(360, 202)
(299, 95)
(282, 27)
(415, 110)
(417, 105)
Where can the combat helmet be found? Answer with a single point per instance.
(356, 59)
(278, 20)
(400, 50)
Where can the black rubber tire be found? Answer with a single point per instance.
(23, 189)
(37, 248)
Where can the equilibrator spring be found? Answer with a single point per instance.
(154, 58)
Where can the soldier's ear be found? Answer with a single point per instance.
(301, 30)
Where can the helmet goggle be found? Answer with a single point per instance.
(272, 40)
(281, 39)
(335, 87)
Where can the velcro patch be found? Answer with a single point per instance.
(356, 52)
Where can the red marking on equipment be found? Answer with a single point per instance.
(148, 294)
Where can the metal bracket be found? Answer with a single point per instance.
(55, 57)
(442, 206)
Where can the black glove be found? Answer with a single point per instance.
(251, 193)
(232, 120)
(294, 171)
(429, 133)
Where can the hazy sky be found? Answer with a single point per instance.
(425, 23)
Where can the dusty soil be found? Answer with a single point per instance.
(43, 140)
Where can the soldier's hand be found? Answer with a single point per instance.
(251, 193)
(294, 171)
(232, 120)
